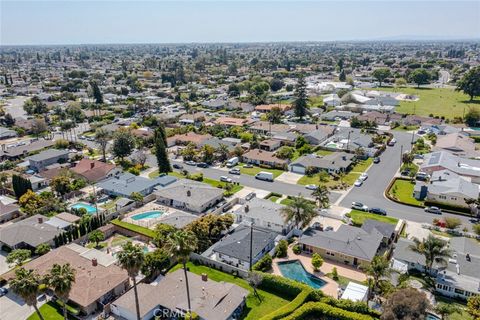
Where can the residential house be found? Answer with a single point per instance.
(265, 108)
(94, 170)
(23, 150)
(192, 118)
(29, 233)
(332, 163)
(458, 144)
(232, 122)
(6, 133)
(9, 208)
(124, 184)
(286, 138)
(215, 104)
(265, 214)
(320, 135)
(190, 195)
(332, 100)
(39, 161)
(234, 248)
(98, 280)
(210, 300)
(387, 230)
(267, 128)
(338, 115)
(264, 158)
(189, 137)
(348, 244)
(441, 160)
(270, 144)
(350, 139)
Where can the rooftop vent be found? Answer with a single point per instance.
(94, 262)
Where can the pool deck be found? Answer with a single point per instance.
(148, 223)
(331, 287)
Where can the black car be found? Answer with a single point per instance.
(378, 211)
(3, 291)
(202, 165)
(376, 160)
(177, 166)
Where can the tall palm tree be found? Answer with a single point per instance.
(377, 269)
(26, 284)
(131, 258)
(60, 280)
(321, 196)
(433, 249)
(300, 210)
(102, 137)
(180, 244)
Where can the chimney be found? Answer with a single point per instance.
(189, 193)
(247, 208)
(94, 262)
(92, 165)
(40, 220)
(204, 277)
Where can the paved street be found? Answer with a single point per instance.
(371, 193)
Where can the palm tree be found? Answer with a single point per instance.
(180, 244)
(377, 269)
(321, 196)
(433, 249)
(26, 284)
(102, 137)
(222, 152)
(61, 279)
(300, 210)
(131, 258)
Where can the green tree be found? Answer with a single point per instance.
(381, 74)
(155, 262)
(300, 210)
(180, 244)
(301, 99)
(285, 152)
(377, 269)
(209, 228)
(96, 93)
(446, 309)
(321, 194)
(102, 137)
(131, 258)
(96, 236)
(452, 222)
(408, 303)
(208, 153)
(317, 261)
(275, 115)
(470, 83)
(137, 197)
(472, 117)
(420, 76)
(123, 143)
(20, 185)
(42, 249)
(18, 256)
(281, 249)
(26, 284)
(473, 306)
(162, 231)
(60, 279)
(433, 249)
(161, 151)
(61, 183)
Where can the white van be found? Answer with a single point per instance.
(266, 176)
(232, 162)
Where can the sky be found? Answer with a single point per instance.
(103, 22)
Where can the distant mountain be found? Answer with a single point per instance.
(423, 38)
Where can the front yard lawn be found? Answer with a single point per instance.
(253, 309)
(50, 311)
(154, 174)
(358, 217)
(402, 190)
(219, 184)
(362, 165)
(253, 171)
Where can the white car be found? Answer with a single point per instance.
(358, 183)
(359, 206)
(311, 186)
(225, 179)
(363, 176)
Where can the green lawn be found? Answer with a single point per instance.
(217, 184)
(253, 171)
(254, 309)
(133, 227)
(362, 165)
(358, 217)
(273, 198)
(324, 152)
(410, 166)
(463, 315)
(402, 190)
(342, 281)
(154, 174)
(437, 101)
(405, 128)
(49, 311)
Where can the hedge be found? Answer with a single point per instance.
(348, 305)
(319, 309)
(264, 264)
(274, 283)
(290, 307)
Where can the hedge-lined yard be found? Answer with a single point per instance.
(133, 227)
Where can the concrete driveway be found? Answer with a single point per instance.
(289, 177)
(3, 262)
(12, 307)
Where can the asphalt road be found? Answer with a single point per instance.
(371, 193)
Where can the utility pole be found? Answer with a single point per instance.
(251, 246)
(401, 155)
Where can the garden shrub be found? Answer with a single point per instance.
(311, 310)
(287, 309)
(264, 264)
(281, 250)
(274, 283)
(297, 249)
(348, 305)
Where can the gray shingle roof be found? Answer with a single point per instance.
(48, 154)
(29, 231)
(126, 183)
(190, 191)
(262, 209)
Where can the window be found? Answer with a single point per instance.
(459, 291)
(442, 197)
(454, 198)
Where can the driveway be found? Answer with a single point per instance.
(289, 177)
(3, 262)
(12, 307)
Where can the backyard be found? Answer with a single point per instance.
(358, 217)
(253, 309)
(402, 190)
(437, 101)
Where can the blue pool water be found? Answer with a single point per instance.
(294, 270)
(90, 209)
(147, 215)
(432, 317)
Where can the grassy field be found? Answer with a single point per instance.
(253, 309)
(402, 190)
(358, 217)
(253, 171)
(437, 101)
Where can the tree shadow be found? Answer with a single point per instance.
(470, 101)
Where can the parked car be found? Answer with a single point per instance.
(177, 166)
(266, 176)
(378, 211)
(311, 186)
(232, 162)
(225, 179)
(250, 196)
(234, 171)
(392, 142)
(3, 291)
(359, 206)
(363, 176)
(376, 160)
(358, 183)
(248, 166)
(405, 172)
(422, 176)
(434, 210)
(191, 163)
(202, 165)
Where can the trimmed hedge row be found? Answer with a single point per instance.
(290, 307)
(352, 306)
(318, 309)
(274, 283)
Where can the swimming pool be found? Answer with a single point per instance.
(432, 317)
(90, 209)
(294, 270)
(147, 215)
